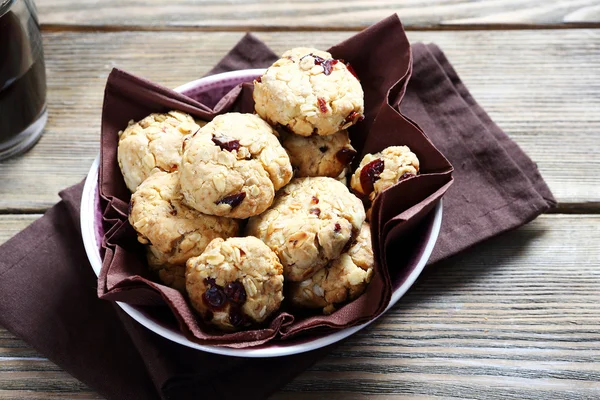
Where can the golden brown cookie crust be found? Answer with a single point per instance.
(173, 231)
(319, 155)
(309, 224)
(153, 142)
(233, 166)
(235, 283)
(343, 280)
(388, 166)
(309, 93)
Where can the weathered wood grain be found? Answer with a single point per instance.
(516, 318)
(10, 225)
(540, 86)
(313, 14)
(34, 395)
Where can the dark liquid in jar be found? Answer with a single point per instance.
(22, 76)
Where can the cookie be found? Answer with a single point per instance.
(309, 224)
(343, 176)
(309, 93)
(341, 281)
(382, 170)
(153, 142)
(319, 155)
(173, 231)
(232, 166)
(235, 283)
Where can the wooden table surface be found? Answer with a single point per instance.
(517, 317)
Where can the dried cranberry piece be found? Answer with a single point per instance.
(237, 317)
(352, 116)
(210, 281)
(352, 71)
(259, 79)
(315, 211)
(327, 64)
(323, 149)
(233, 200)
(345, 156)
(337, 228)
(226, 143)
(315, 200)
(322, 104)
(370, 174)
(235, 292)
(214, 297)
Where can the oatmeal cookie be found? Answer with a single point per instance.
(382, 170)
(319, 155)
(310, 223)
(342, 280)
(343, 176)
(235, 283)
(172, 231)
(153, 142)
(233, 166)
(309, 92)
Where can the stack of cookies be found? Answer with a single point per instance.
(236, 210)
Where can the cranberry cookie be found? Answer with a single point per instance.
(382, 170)
(309, 92)
(235, 283)
(233, 166)
(172, 231)
(319, 155)
(342, 280)
(153, 142)
(310, 223)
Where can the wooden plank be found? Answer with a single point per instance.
(515, 318)
(547, 100)
(35, 395)
(313, 14)
(10, 225)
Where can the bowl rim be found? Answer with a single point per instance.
(91, 245)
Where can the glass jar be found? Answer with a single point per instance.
(22, 78)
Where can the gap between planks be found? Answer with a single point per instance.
(307, 28)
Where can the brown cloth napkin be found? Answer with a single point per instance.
(48, 290)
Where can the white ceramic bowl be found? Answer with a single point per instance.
(91, 224)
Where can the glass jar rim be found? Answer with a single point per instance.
(5, 5)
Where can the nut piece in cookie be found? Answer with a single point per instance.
(341, 281)
(319, 155)
(382, 170)
(309, 224)
(153, 142)
(173, 231)
(309, 92)
(235, 283)
(233, 166)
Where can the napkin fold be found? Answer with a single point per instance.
(48, 289)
